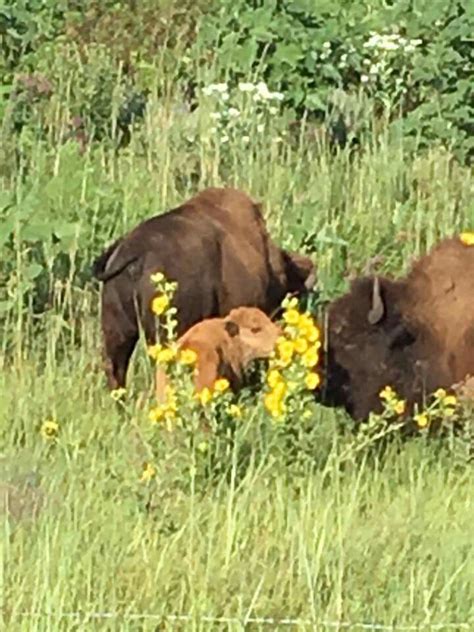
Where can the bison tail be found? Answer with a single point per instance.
(113, 261)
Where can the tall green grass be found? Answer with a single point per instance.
(343, 534)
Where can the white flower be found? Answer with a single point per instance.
(273, 110)
(374, 69)
(327, 45)
(260, 128)
(246, 87)
(224, 96)
(364, 78)
(263, 91)
(245, 139)
(215, 116)
(278, 96)
(219, 88)
(234, 112)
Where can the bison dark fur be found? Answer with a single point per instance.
(415, 334)
(217, 249)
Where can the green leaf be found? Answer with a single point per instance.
(33, 270)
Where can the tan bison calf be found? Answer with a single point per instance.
(225, 347)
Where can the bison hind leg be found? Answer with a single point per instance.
(117, 354)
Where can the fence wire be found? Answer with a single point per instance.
(244, 621)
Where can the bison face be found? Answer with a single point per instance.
(369, 345)
(300, 272)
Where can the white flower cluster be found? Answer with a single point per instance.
(255, 101)
(260, 91)
(391, 42)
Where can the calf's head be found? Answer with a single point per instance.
(255, 334)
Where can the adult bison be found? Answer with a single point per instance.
(415, 334)
(216, 247)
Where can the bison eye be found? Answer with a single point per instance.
(256, 330)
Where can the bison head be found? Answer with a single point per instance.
(372, 342)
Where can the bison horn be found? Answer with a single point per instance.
(377, 311)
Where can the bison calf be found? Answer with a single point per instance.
(225, 347)
(216, 247)
(415, 334)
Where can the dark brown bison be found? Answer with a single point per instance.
(216, 247)
(415, 334)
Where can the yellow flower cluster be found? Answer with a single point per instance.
(298, 347)
(161, 354)
(167, 411)
(206, 394)
(444, 406)
(164, 355)
(392, 402)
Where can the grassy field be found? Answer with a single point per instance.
(333, 532)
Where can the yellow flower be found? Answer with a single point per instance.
(149, 473)
(160, 304)
(290, 303)
(291, 316)
(286, 349)
(440, 393)
(273, 405)
(221, 385)
(467, 238)
(450, 400)
(188, 356)
(158, 277)
(49, 430)
(279, 390)
(155, 414)
(204, 396)
(153, 351)
(165, 412)
(118, 393)
(165, 355)
(301, 345)
(307, 328)
(305, 320)
(234, 411)
(422, 420)
(274, 376)
(399, 407)
(311, 358)
(312, 381)
(388, 394)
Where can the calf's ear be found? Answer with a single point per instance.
(232, 328)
